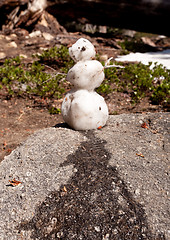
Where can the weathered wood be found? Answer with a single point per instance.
(12, 3)
(9, 9)
(23, 16)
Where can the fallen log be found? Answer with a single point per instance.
(141, 15)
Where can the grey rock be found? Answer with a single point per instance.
(147, 177)
(105, 184)
(36, 163)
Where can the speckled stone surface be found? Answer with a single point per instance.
(104, 184)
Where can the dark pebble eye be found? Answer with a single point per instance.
(100, 108)
(83, 49)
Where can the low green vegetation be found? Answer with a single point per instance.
(54, 110)
(45, 78)
(144, 81)
(139, 81)
(57, 56)
(111, 81)
(33, 79)
(19, 80)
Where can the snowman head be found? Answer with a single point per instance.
(82, 50)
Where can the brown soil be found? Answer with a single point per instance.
(20, 117)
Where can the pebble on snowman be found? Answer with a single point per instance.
(82, 107)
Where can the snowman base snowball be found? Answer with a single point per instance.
(84, 110)
(82, 107)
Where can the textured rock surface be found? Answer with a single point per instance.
(103, 184)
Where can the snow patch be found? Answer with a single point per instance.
(161, 57)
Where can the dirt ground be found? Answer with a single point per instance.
(20, 117)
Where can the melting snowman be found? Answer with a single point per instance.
(82, 107)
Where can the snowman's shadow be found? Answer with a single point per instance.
(66, 126)
(62, 125)
(94, 204)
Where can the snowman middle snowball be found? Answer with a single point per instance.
(82, 107)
